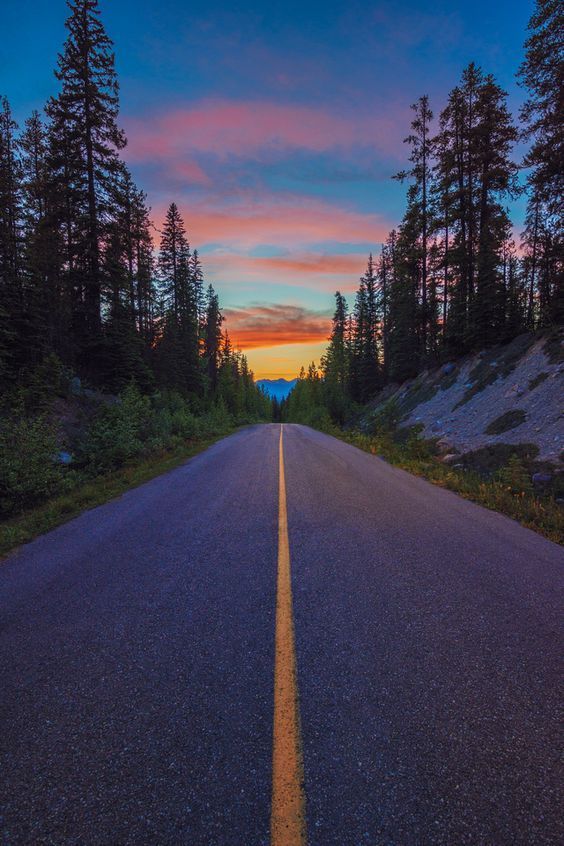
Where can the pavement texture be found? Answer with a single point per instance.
(137, 660)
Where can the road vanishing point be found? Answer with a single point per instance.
(285, 641)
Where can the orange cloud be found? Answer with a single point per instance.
(275, 325)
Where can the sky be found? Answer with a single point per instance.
(276, 128)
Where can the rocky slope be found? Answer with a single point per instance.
(512, 394)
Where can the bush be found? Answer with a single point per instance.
(119, 433)
(505, 422)
(28, 469)
(515, 478)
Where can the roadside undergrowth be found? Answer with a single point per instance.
(36, 521)
(507, 491)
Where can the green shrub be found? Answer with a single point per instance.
(28, 468)
(505, 422)
(488, 460)
(119, 433)
(539, 378)
(515, 477)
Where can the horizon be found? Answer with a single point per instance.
(283, 178)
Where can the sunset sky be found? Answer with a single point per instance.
(276, 128)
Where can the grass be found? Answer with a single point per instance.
(542, 514)
(509, 420)
(36, 521)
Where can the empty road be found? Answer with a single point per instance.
(285, 640)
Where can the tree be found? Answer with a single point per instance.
(496, 178)
(335, 363)
(87, 141)
(543, 117)
(421, 174)
(212, 337)
(11, 291)
(365, 376)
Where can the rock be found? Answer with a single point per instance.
(75, 386)
(63, 457)
(443, 446)
(542, 478)
(559, 500)
(446, 369)
(450, 458)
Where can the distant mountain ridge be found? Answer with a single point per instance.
(277, 388)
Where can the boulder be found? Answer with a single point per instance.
(64, 457)
(450, 458)
(447, 369)
(75, 386)
(443, 446)
(542, 478)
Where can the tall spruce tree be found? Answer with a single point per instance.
(543, 116)
(365, 375)
(87, 141)
(420, 175)
(335, 364)
(12, 305)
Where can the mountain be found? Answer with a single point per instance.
(277, 388)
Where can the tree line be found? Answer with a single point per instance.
(449, 279)
(79, 277)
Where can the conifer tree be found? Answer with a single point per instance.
(543, 117)
(335, 364)
(12, 307)
(420, 175)
(87, 141)
(212, 337)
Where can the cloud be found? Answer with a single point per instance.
(271, 325)
(249, 128)
(301, 269)
(288, 221)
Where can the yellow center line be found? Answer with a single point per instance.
(287, 822)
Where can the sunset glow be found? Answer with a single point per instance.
(277, 140)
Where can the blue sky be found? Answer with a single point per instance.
(276, 128)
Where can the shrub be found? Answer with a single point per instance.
(28, 469)
(118, 433)
(515, 477)
(539, 378)
(505, 422)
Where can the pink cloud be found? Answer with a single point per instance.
(324, 272)
(224, 127)
(290, 222)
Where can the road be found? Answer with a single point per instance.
(137, 661)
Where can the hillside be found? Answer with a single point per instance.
(277, 388)
(507, 395)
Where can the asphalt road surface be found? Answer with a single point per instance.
(137, 654)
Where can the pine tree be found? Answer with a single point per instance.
(212, 338)
(12, 307)
(335, 364)
(365, 377)
(496, 178)
(174, 261)
(87, 141)
(421, 175)
(543, 116)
